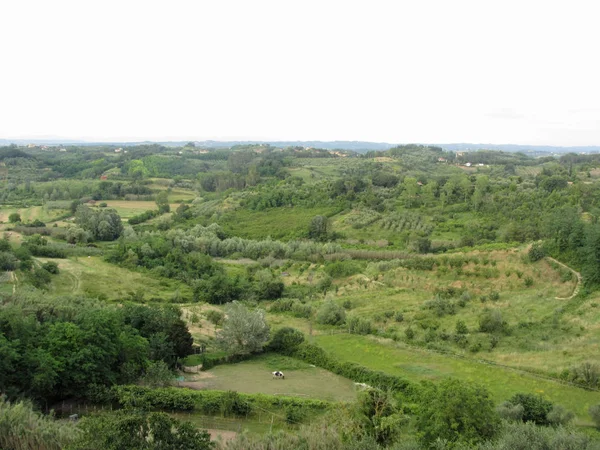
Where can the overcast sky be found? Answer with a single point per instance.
(523, 72)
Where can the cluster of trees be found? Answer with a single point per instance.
(56, 348)
(103, 225)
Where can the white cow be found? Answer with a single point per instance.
(278, 374)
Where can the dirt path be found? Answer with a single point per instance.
(577, 274)
(15, 280)
(221, 435)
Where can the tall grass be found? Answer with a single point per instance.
(21, 428)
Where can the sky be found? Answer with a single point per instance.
(502, 72)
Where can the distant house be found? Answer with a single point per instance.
(468, 164)
(91, 202)
(103, 177)
(118, 150)
(419, 183)
(480, 164)
(440, 159)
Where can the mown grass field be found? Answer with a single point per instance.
(278, 223)
(94, 277)
(32, 213)
(254, 376)
(129, 208)
(417, 365)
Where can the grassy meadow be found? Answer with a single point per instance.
(254, 376)
(94, 277)
(419, 364)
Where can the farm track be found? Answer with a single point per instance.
(577, 274)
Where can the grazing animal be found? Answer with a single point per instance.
(278, 374)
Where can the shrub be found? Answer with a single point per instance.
(331, 313)
(510, 412)
(536, 252)
(535, 408)
(528, 281)
(294, 415)
(528, 436)
(559, 416)
(595, 414)
(233, 405)
(286, 340)
(340, 269)
(587, 374)
(457, 411)
(357, 325)
(461, 327)
(215, 317)
(398, 316)
(51, 267)
(491, 321)
(441, 306)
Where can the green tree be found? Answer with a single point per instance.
(318, 229)
(136, 430)
(379, 415)
(14, 217)
(244, 331)
(458, 411)
(162, 201)
(331, 313)
(535, 408)
(286, 340)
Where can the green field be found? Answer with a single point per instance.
(417, 365)
(277, 223)
(32, 213)
(94, 277)
(254, 376)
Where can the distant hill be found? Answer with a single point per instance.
(357, 146)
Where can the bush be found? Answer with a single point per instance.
(39, 278)
(330, 313)
(357, 325)
(441, 306)
(491, 321)
(587, 374)
(233, 405)
(559, 416)
(595, 414)
(510, 412)
(286, 340)
(535, 408)
(340, 269)
(457, 411)
(215, 317)
(461, 327)
(528, 436)
(536, 252)
(51, 267)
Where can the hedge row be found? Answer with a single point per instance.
(207, 402)
(143, 217)
(210, 360)
(317, 356)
